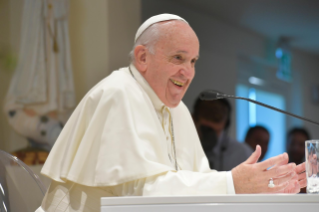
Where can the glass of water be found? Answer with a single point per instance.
(312, 166)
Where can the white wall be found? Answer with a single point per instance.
(221, 45)
(10, 22)
(101, 36)
(307, 66)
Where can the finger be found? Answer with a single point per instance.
(303, 183)
(279, 171)
(288, 177)
(283, 162)
(302, 176)
(254, 156)
(292, 188)
(273, 161)
(301, 168)
(295, 189)
(278, 188)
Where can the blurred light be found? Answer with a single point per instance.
(2, 189)
(4, 205)
(256, 81)
(279, 53)
(252, 107)
(284, 56)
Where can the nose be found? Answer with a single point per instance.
(188, 70)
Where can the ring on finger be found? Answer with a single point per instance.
(271, 183)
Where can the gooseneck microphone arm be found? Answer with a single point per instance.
(214, 95)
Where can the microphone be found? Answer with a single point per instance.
(211, 95)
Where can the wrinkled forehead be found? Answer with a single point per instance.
(174, 27)
(177, 36)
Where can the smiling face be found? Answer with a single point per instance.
(170, 70)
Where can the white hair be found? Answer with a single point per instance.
(148, 39)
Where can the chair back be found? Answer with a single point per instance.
(20, 188)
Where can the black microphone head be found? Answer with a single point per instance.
(210, 95)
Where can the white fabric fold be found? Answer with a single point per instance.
(73, 197)
(114, 136)
(114, 140)
(230, 183)
(111, 138)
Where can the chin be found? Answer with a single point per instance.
(173, 104)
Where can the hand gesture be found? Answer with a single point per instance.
(252, 177)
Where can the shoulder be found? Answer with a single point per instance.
(117, 80)
(119, 88)
(119, 83)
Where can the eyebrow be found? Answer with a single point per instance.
(186, 52)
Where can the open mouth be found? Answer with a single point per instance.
(179, 84)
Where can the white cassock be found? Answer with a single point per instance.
(118, 143)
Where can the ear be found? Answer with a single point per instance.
(140, 53)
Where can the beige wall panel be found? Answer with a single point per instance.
(101, 35)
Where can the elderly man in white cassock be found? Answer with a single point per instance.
(131, 135)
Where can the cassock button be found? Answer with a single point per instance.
(166, 137)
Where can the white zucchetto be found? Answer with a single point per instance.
(155, 19)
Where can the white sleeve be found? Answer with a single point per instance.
(230, 183)
(174, 183)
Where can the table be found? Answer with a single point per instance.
(220, 203)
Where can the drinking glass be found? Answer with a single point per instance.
(312, 166)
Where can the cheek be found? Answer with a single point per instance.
(191, 77)
(193, 74)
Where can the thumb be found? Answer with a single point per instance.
(254, 156)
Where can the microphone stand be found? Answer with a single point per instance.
(214, 95)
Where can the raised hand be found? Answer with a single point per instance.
(252, 177)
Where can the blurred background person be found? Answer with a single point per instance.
(295, 144)
(258, 135)
(212, 121)
(296, 138)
